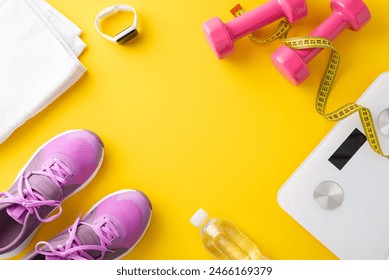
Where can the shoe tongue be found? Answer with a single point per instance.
(41, 185)
(45, 187)
(17, 212)
(86, 236)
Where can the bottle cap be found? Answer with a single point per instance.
(198, 218)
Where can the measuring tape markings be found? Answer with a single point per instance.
(309, 42)
(300, 43)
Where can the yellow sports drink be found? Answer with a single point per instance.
(223, 240)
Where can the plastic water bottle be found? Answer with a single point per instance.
(223, 240)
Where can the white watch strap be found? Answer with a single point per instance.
(113, 10)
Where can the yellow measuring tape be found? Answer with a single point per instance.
(308, 42)
(300, 43)
(281, 30)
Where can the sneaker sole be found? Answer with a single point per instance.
(22, 246)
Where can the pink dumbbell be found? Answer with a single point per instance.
(221, 36)
(292, 64)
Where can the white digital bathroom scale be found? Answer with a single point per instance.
(340, 193)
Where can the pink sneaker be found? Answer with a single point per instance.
(59, 169)
(109, 231)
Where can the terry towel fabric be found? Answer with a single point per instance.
(38, 60)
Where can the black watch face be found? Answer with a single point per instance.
(127, 37)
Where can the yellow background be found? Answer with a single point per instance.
(193, 131)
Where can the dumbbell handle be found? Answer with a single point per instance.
(255, 19)
(329, 29)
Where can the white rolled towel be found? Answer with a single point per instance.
(38, 60)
